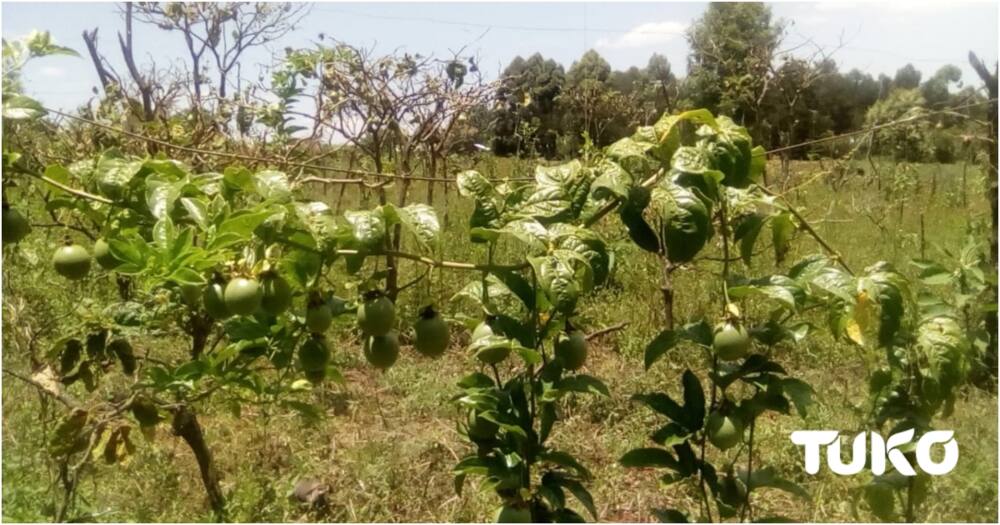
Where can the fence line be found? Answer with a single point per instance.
(364, 173)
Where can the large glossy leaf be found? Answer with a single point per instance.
(612, 181)
(559, 193)
(782, 229)
(272, 184)
(631, 213)
(648, 458)
(421, 220)
(684, 222)
(21, 107)
(486, 213)
(586, 243)
(368, 228)
(557, 278)
(161, 194)
(659, 346)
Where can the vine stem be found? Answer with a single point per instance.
(71, 190)
(747, 511)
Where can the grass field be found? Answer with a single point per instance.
(388, 441)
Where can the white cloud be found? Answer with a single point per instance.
(900, 7)
(644, 35)
(52, 72)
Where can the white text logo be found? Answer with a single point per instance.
(881, 450)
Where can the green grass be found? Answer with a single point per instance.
(388, 441)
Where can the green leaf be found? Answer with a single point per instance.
(486, 213)
(197, 209)
(758, 163)
(684, 221)
(694, 400)
(746, 233)
(648, 458)
(631, 213)
(932, 273)
(422, 221)
(800, 392)
(612, 181)
(21, 107)
(782, 229)
(585, 384)
(659, 346)
(272, 185)
(564, 459)
(238, 227)
(368, 228)
(559, 193)
(767, 477)
(161, 194)
(664, 404)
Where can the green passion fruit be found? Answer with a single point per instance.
(731, 341)
(571, 349)
(72, 261)
(376, 315)
(191, 293)
(432, 333)
(382, 350)
(215, 304)
(103, 256)
(512, 514)
(276, 294)
(15, 226)
(314, 354)
(319, 316)
(724, 431)
(242, 296)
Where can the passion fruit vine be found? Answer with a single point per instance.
(432, 333)
(72, 261)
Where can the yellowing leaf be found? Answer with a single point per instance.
(854, 332)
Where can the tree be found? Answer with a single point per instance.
(935, 90)
(904, 142)
(224, 30)
(590, 105)
(732, 48)
(526, 119)
(907, 77)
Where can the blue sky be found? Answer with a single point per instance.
(875, 37)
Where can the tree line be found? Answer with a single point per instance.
(544, 109)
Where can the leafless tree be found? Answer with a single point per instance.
(221, 32)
